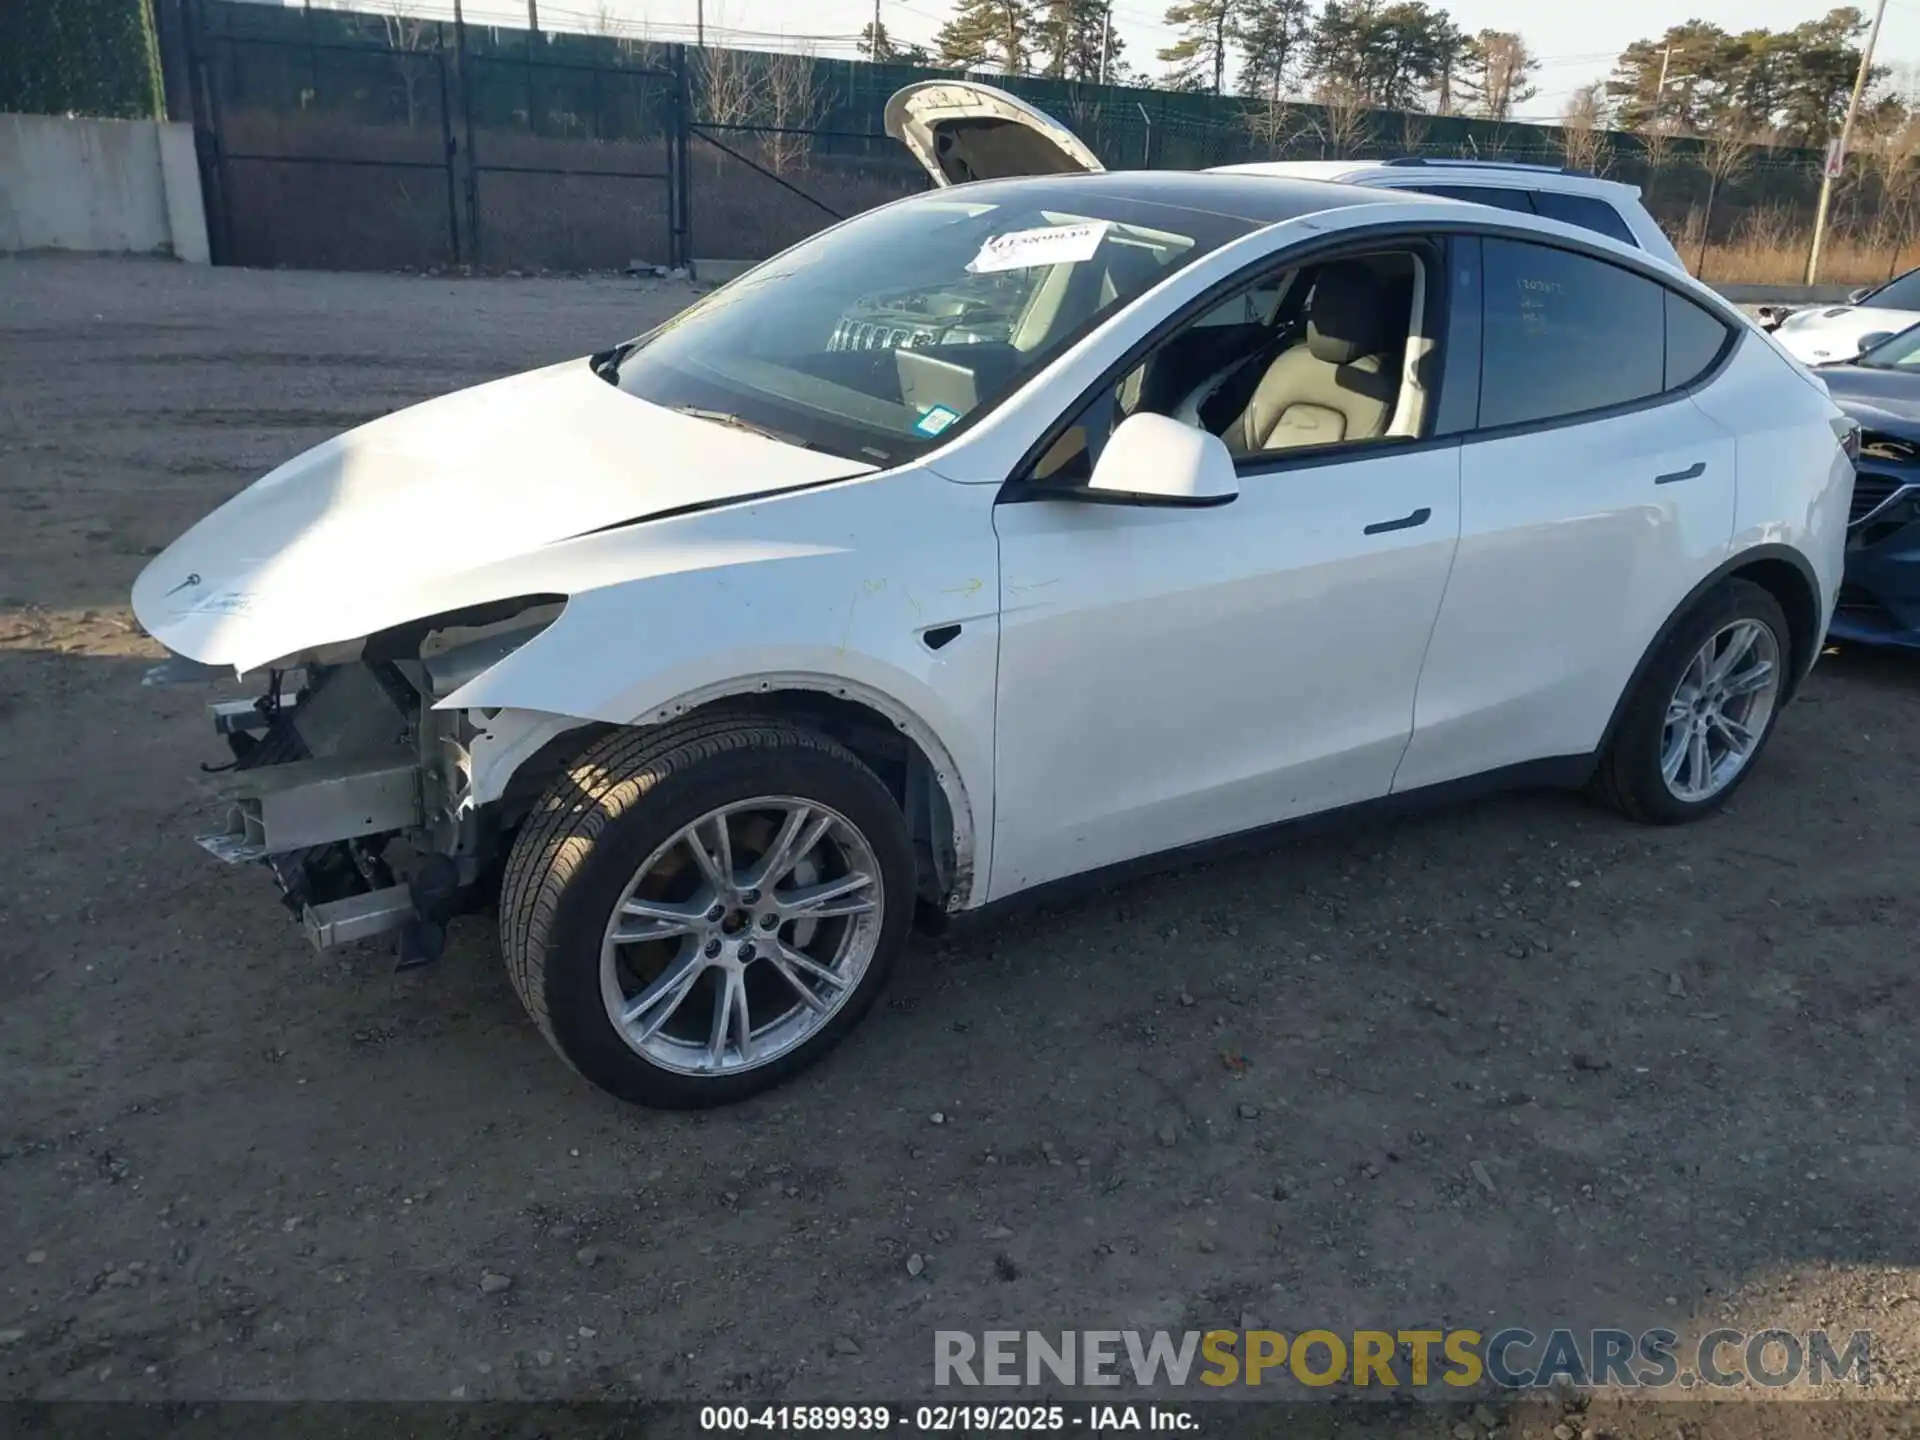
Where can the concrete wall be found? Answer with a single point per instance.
(100, 185)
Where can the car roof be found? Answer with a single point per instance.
(1256, 198)
(1466, 172)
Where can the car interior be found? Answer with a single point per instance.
(1331, 353)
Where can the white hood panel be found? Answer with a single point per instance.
(375, 527)
(1826, 334)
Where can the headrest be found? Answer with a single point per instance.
(1350, 316)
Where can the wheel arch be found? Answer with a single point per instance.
(896, 743)
(1782, 572)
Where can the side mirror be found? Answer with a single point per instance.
(1878, 337)
(1155, 460)
(1854, 297)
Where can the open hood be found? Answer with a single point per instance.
(962, 130)
(440, 506)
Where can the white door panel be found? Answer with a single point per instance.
(1172, 675)
(1573, 553)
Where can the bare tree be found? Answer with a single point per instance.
(1656, 151)
(1277, 124)
(1583, 140)
(1415, 126)
(1345, 124)
(1894, 158)
(726, 86)
(409, 33)
(1726, 156)
(795, 107)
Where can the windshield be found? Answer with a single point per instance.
(875, 339)
(1901, 294)
(1902, 352)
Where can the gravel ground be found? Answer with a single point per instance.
(1515, 1063)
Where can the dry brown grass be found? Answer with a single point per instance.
(1768, 245)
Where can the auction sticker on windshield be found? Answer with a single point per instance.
(935, 420)
(1049, 245)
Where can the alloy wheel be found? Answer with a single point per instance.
(742, 936)
(1720, 710)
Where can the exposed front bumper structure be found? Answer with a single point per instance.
(349, 792)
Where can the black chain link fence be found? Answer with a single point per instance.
(381, 140)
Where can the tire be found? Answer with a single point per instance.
(617, 821)
(1630, 778)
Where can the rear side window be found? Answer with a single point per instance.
(1584, 211)
(1563, 334)
(1481, 195)
(1694, 341)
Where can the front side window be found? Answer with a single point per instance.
(876, 338)
(1563, 334)
(1312, 357)
(1586, 212)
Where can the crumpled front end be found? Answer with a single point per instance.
(1879, 603)
(355, 792)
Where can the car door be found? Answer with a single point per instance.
(1595, 495)
(1172, 675)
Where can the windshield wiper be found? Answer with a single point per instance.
(736, 422)
(606, 363)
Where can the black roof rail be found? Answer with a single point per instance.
(1466, 162)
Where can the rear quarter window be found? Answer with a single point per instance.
(1586, 212)
(1695, 339)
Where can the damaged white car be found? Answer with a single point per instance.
(1001, 535)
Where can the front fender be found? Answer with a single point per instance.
(914, 554)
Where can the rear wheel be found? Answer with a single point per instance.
(694, 917)
(1703, 710)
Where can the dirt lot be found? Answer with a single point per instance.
(1519, 1063)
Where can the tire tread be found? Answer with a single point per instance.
(603, 783)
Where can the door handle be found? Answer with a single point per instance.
(1692, 472)
(1405, 522)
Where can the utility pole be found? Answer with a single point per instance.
(700, 23)
(1840, 158)
(533, 16)
(873, 50)
(1106, 41)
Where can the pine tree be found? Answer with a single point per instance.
(875, 43)
(1495, 71)
(1074, 39)
(1199, 57)
(1272, 35)
(989, 35)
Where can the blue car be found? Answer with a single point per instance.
(1880, 601)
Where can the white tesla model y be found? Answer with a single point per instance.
(1010, 532)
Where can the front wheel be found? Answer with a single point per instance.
(1702, 711)
(695, 917)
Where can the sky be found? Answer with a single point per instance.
(1576, 42)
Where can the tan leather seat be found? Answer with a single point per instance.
(1342, 382)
